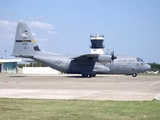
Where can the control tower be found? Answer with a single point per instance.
(97, 44)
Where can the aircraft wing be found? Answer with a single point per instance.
(86, 57)
(94, 57)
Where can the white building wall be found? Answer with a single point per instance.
(39, 70)
(97, 51)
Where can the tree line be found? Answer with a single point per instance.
(154, 66)
(31, 64)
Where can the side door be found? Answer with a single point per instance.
(0, 67)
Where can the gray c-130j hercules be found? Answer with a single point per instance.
(25, 46)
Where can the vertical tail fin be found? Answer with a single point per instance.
(25, 44)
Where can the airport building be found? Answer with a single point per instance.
(97, 44)
(9, 65)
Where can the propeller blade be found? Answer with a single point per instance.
(112, 55)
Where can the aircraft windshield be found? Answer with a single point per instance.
(139, 60)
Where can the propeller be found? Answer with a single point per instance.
(112, 55)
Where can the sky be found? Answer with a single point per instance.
(130, 27)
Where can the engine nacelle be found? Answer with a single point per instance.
(99, 68)
(104, 58)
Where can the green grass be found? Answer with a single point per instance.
(149, 74)
(30, 109)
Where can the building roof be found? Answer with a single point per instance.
(10, 60)
(97, 37)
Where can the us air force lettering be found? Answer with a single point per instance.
(25, 46)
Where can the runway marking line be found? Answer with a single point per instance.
(88, 94)
(158, 97)
(154, 83)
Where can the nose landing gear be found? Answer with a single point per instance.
(134, 74)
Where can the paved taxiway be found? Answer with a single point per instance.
(106, 87)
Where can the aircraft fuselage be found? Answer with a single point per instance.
(121, 65)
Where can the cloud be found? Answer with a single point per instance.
(52, 32)
(34, 34)
(42, 39)
(4, 23)
(7, 24)
(41, 25)
(7, 30)
(41, 31)
(5, 36)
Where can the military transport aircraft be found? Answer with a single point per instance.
(25, 46)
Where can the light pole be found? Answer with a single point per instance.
(108, 51)
(5, 53)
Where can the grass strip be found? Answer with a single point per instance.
(35, 109)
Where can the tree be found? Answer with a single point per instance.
(32, 64)
(154, 66)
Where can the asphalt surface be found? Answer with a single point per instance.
(102, 87)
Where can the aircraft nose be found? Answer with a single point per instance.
(147, 67)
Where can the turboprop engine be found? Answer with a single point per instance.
(106, 58)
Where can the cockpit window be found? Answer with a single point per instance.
(139, 60)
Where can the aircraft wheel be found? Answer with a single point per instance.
(134, 74)
(84, 75)
(92, 75)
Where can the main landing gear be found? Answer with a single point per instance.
(88, 75)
